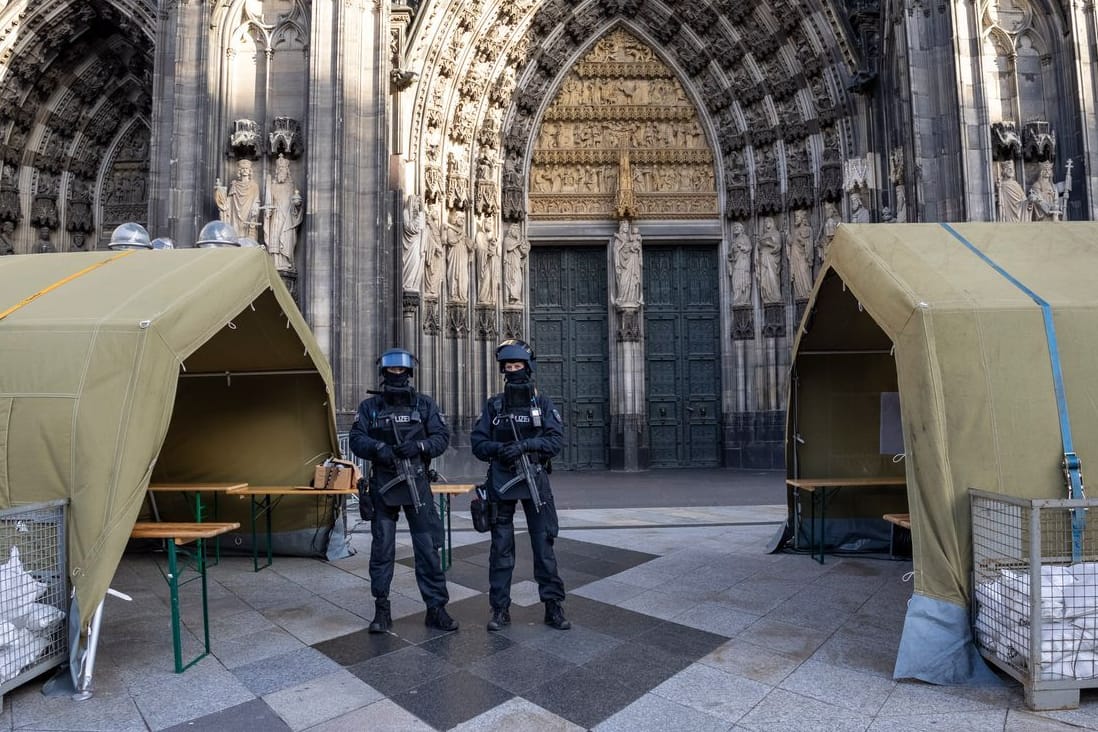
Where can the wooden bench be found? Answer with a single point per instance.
(901, 520)
(177, 534)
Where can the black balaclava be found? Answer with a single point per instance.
(518, 391)
(396, 390)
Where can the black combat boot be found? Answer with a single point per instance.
(383, 618)
(554, 616)
(500, 619)
(437, 617)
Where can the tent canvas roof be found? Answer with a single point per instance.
(91, 370)
(971, 362)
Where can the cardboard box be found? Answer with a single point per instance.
(336, 474)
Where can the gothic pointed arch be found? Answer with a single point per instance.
(621, 139)
(74, 74)
(772, 77)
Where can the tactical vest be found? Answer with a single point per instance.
(394, 425)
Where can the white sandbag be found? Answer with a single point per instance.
(1053, 580)
(1057, 639)
(39, 617)
(23, 652)
(1060, 666)
(1086, 665)
(1081, 596)
(18, 588)
(8, 634)
(991, 614)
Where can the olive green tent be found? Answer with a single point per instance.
(953, 318)
(186, 365)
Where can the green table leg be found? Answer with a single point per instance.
(173, 588)
(448, 547)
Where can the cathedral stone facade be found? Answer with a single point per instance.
(642, 189)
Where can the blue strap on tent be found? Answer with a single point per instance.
(1073, 468)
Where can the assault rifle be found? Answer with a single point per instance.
(405, 472)
(525, 472)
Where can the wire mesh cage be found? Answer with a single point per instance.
(1035, 572)
(34, 592)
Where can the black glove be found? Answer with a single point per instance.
(385, 455)
(509, 451)
(407, 449)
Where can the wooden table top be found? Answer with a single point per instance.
(288, 490)
(811, 484)
(452, 489)
(195, 487)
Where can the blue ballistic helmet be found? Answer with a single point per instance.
(513, 349)
(396, 358)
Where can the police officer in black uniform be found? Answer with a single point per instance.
(517, 424)
(399, 430)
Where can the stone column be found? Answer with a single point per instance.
(347, 291)
(180, 174)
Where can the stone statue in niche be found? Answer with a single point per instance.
(1013, 206)
(800, 255)
(239, 202)
(830, 224)
(900, 215)
(458, 249)
(515, 250)
(282, 215)
(859, 214)
(1047, 199)
(739, 265)
(414, 234)
(768, 266)
(486, 249)
(626, 244)
(434, 257)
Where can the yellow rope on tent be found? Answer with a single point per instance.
(31, 298)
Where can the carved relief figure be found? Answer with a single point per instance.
(739, 265)
(414, 236)
(1013, 206)
(282, 215)
(800, 255)
(239, 203)
(486, 243)
(515, 250)
(457, 187)
(626, 245)
(831, 223)
(458, 248)
(7, 238)
(45, 246)
(434, 257)
(769, 264)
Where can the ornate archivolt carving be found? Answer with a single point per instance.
(620, 97)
